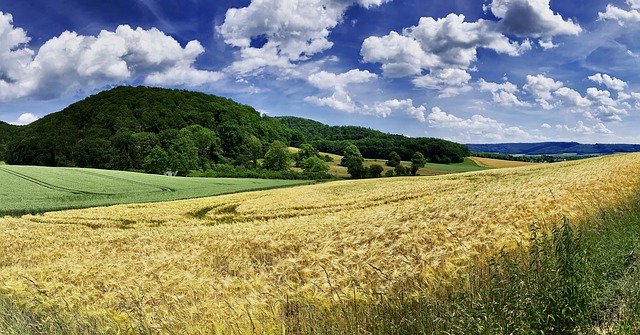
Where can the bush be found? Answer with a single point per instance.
(374, 171)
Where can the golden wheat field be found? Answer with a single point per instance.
(228, 262)
(498, 163)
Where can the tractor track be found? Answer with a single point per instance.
(162, 188)
(49, 185)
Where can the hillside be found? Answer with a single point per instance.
(553, 148)
(117, 129)
(241, 261)
(7, 133)
(373, 143)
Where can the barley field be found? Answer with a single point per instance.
(227, 264)
(498, 163)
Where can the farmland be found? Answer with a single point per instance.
(30, 189)
(228, 263)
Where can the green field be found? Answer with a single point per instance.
(31, 189)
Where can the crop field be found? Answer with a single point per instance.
(228, 264)
(30, 189)
(498, 163)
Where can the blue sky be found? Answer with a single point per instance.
(470, 71)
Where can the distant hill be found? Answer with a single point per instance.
(374, 143)
(119, 128)
(553, 148)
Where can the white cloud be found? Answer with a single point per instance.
(608, 81)
(542, 87)
(445, 43)
(572, 97)
(478, 128)
(546, 126)
(533, 18)
(389, 107)
(503, 94)
(293, 30)
(338, 84)
(71, 62)
(623, 16)
(582, 129)
(26, 118)
(450, 82)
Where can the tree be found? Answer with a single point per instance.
(277, 157)
(401, 170)
(206, 141)
(417, 161)
(353, 160)
(183, 154)
(375, 171)
(157, 161)
(394, 159)
(306, 151)
(314, 166)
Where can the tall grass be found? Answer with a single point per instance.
(571, 280)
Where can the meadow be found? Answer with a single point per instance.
(32, 189)
(234, 263)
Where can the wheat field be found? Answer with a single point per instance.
(226, 264)
(498, 163)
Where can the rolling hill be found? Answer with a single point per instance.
(117, 129)
(553, 148)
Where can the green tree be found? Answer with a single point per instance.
(401, 170)
(277, 157)
(314, 166)
(156, 161)
(353, 160)
(183, 154)
(306, 151)
(206, 141)
(250, 151)
(375, 171)
(417, 161)
(394, 159)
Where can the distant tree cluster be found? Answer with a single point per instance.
(533, 158)
(353, 160)
(372, 143)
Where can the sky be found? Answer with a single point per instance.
(471, 71)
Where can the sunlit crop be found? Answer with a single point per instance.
(227, 263)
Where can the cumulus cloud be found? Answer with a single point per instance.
(542, 87)
(582, 129)
(533, 18)
(571, 97)
(291, 30)
(433, 44)
(608, 81)
(389, 107)
(338, 84)
(478, 127)
(622, 16)
(450, 82)
(26, 118)
(71, 62)
(503, 94)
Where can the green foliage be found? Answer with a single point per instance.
(374, 144)
(157, 161)
(314, 167)
(352, 159)
(394, 159)
(401, 170)
(306, 151)
(417, 161)
(277, 157)
(374, 171)
(389, 173)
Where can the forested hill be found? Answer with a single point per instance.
(7, 132)
(373, 143)
(553, 148)
(121, 127)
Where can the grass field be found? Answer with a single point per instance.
(30, 189)
(229, 264)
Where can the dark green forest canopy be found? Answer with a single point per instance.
(119, 128)
(373, 143)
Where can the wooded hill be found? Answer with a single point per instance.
(553, 148)
(119, 128)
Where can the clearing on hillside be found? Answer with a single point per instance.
(34, 189)
(228, 264)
